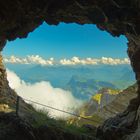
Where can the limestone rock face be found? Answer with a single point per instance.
(19, 17)
(119, 104)
(7, 95)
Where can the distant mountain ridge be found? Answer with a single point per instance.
(85, 88)
(119, 75)
(83, 81)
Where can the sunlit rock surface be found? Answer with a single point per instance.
(98, 115)
(7, 95)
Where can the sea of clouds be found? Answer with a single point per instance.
(44, 93)
(36, 59)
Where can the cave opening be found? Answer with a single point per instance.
(79, 65)
(19, 18)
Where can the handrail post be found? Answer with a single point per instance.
(17, 105)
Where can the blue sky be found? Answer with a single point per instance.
(66, 41)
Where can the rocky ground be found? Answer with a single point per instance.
(13, 127)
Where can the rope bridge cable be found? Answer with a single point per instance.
(91, 137)
(61, 110)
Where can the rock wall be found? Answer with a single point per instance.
(7, 95)
(118, 17)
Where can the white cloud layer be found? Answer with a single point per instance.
(44, 93)
(30, 59)
(36, 59)
(92, 61)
